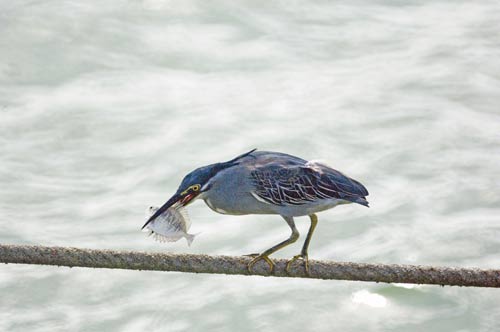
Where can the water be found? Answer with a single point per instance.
(105, 106)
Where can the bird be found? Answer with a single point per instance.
(275, 183)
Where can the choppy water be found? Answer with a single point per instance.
(104, 106)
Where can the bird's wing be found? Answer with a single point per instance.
(299, 184)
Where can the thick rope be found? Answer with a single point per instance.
(110, 259)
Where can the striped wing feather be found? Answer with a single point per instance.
(297, 185)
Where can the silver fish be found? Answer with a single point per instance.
(171, 225)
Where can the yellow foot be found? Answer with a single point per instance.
(258, 258)
(301, 256)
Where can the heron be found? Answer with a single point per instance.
(264, 182)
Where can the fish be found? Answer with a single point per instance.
(171, 225)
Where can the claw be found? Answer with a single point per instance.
(258, 258)
(251, 255)
(294, 258)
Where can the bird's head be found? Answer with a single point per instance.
(195, 183)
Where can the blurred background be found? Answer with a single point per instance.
(105, 106)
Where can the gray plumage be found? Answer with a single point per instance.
(277, 183)
(262, 182)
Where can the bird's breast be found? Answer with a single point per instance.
(215, 207)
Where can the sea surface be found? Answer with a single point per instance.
(106, 105)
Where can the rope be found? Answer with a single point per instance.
(110, 259)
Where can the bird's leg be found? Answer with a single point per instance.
(265, 255)
(303, 254)
(314, 222)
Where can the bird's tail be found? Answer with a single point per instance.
(362, 201)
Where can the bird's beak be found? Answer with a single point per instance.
(174, 199)
(187, 198)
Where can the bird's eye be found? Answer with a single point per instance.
(195, 187)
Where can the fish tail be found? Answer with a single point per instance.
(190, 238)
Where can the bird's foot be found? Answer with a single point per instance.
(258, 258)
(251, 255)
(304, 257)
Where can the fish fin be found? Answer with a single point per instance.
(166, 238)
(184, 213)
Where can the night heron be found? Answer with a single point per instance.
(262, 182)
